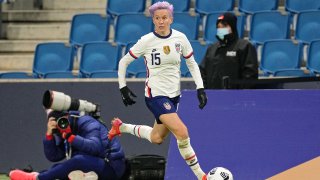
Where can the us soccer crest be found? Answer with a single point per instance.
(166, 49)
(167, 105)
(178, 47)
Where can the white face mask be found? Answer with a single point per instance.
(221, 32)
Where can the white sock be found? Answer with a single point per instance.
(140, 131)
(190, 157)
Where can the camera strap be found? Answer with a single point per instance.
(68, 149)
(67, 145)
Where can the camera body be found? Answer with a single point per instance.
(59, 101)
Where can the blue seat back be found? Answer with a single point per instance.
(141, 75)
(296, 6)
(308, 26)
(98, 56)
(178, 5)
(291, 73)
(58, 75)
(186, 23)
(130, 27)
(117, 7)
(210, 30)
(313, 61)
(52, 57)
(15, 75)
(210, 6)
(280, 54)
(104, 74)
(269, 25)
(137, 66)
(199, 51)
(88, 28)
(252, 6)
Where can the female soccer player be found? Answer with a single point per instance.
(162, 50)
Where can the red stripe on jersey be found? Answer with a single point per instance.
(148, 90)
(187, 57)
(130, 52)
(147, 69)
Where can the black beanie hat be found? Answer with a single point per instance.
(57, 114)
(231, 20)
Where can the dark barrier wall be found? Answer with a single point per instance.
(254, 133)
(23, 120)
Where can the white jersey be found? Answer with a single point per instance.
(162, 57)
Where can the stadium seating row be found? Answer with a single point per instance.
(100, 60)
(265, 25)
(115, 7)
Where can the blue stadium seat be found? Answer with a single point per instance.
(210, 30)
(211, 6)
(296, 6)
(199, 51)
(308, 26)
(117, 7)
(98, 57)
(52, 57)
(88, 28)
(313, 61)
(252, 6)
(178, 5)
(186, 23)
(291, 73)
(104, 74)
(279, 55)
(15, 75)
(137, 66)
(58, 75)
(130, 27)
(269, 25)
(141, 75)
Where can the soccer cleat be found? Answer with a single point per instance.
(115, 130)
(21, 175)
(80, 175)
(204, 177)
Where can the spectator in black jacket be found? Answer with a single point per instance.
(230, 57)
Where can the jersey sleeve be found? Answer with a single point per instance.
(135, 52)
(193, 67)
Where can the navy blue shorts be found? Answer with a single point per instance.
(162, 105)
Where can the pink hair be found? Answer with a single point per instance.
(161, 5)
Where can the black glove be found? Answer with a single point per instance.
(202, 97)
(127, 95)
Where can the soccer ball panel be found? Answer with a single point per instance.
(219, 173)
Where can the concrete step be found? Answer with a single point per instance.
(19, 46)
(39, 31)
(74, 4)
(16, 62)
(44, 15)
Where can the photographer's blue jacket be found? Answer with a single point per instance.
(89, 138)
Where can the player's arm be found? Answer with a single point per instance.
(195, 71)
(123, 64)
(135, 52)
(193, 67)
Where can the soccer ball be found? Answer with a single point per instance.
(219, 173)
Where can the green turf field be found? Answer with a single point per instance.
(4, 177)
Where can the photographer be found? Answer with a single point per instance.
(83, 142)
